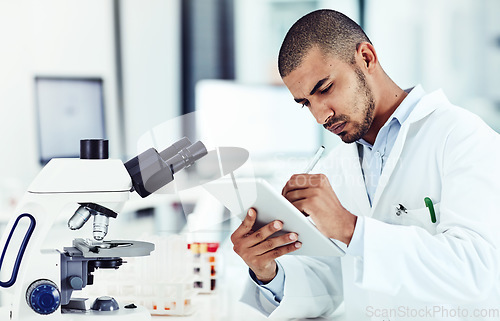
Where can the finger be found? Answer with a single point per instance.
(303, 206)
(297, 195)
(289, 185)
(296, 182)
(245, 226)
(282, 250)
(272, 243)
(263, 233)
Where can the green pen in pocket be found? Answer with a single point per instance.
(428, 203)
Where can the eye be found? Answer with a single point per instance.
(324, 91)
(305, 104)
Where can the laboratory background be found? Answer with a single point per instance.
(144, 74)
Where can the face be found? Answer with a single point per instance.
(335, 92)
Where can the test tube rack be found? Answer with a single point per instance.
(204, 266)
(161, 282)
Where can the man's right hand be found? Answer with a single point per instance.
(258, 250)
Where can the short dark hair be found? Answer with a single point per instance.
(329, 30)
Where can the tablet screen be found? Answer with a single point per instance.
(241, 194)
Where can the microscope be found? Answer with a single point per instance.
(42, 280)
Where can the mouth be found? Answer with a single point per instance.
(337, 128)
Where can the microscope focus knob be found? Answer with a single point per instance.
(76, 282)
(43, 296)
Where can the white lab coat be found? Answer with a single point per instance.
(412, 269)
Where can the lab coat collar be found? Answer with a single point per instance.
(359, 203)
(427, 104)
(402, 111)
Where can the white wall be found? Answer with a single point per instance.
(448, 44)
(76, 38)
(260, 27)
(151, 65)
(54, 38)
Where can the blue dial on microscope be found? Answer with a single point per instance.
(43, 296)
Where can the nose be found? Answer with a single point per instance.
(322, 113)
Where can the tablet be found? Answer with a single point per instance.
(240, 194)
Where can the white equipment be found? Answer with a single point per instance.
(42, 280)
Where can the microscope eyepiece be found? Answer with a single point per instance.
(151, 170)
(187, 156)
(175, 148)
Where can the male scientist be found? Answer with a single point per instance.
(413, 194)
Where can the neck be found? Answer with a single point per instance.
(389, 97)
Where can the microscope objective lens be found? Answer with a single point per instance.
(100, 226)
(78, 219)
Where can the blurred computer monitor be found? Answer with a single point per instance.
(264, 119)
(68, 109)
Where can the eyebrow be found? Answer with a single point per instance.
(318, 84)
(313, 91)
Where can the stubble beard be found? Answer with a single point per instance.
(360, 128)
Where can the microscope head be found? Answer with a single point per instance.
(148, 172)
(151, 170)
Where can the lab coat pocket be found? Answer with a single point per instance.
(421, 217)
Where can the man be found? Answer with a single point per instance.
(402, 261)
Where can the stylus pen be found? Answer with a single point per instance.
(315, 159)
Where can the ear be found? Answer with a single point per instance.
(366, 56)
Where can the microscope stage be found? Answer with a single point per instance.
(116, 248)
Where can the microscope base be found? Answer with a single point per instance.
(137, 314)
